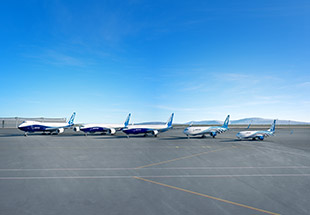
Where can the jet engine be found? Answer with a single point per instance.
(261, 137)
(76, 128)
(112, 131)
(60, 130)
(213, 134)
(155, 132)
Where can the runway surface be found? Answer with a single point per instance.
(100, 174)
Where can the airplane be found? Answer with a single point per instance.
(56, 127)
(257, 134)
(147, 128)
(103, 128)
(202, 130)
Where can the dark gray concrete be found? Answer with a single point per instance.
(73, 174)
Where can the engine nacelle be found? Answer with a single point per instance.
(213, 134)
(112, 131)
(155, 132)
(60, 130)
(261, 137)
(76, 128)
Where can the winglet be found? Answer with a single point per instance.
(71, 120)
(127, 120)
(225, 125)
(169, 122)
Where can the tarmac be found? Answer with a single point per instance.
(101, 174)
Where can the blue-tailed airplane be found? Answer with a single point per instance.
(149, 128)
(203, 130)
(50, 127)
(260, 135)
(103, 128)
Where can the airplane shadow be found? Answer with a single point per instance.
(22, 135)
(173, 138)
(243, 141)
(11, 135)
(125, 137)
(40, 134)
(107, 137)
(230, 140)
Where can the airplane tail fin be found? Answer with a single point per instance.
(169, 122)
(273, 126)
(127, 120)
(225, 125)
(71, 120)
(250, 124)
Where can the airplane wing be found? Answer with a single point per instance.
(261, 135)
(216, 130)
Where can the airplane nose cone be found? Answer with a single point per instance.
(20, 127)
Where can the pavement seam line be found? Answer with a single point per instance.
(180, 158)
(147, 176)
(207, 196)
(164, 168)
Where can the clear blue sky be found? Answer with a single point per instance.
(199, 59)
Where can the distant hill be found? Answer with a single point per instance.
(254, 120)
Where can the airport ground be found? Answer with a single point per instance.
(101, 174)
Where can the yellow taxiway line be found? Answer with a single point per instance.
(207, 196)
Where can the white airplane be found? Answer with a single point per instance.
(50, 127)
(257, 134)
(147, 128)
(103, 128)
(202, 130)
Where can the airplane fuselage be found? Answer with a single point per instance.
(144, 129)
(202, 130)
(93, 128)
(253, 134)
(34, 126)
